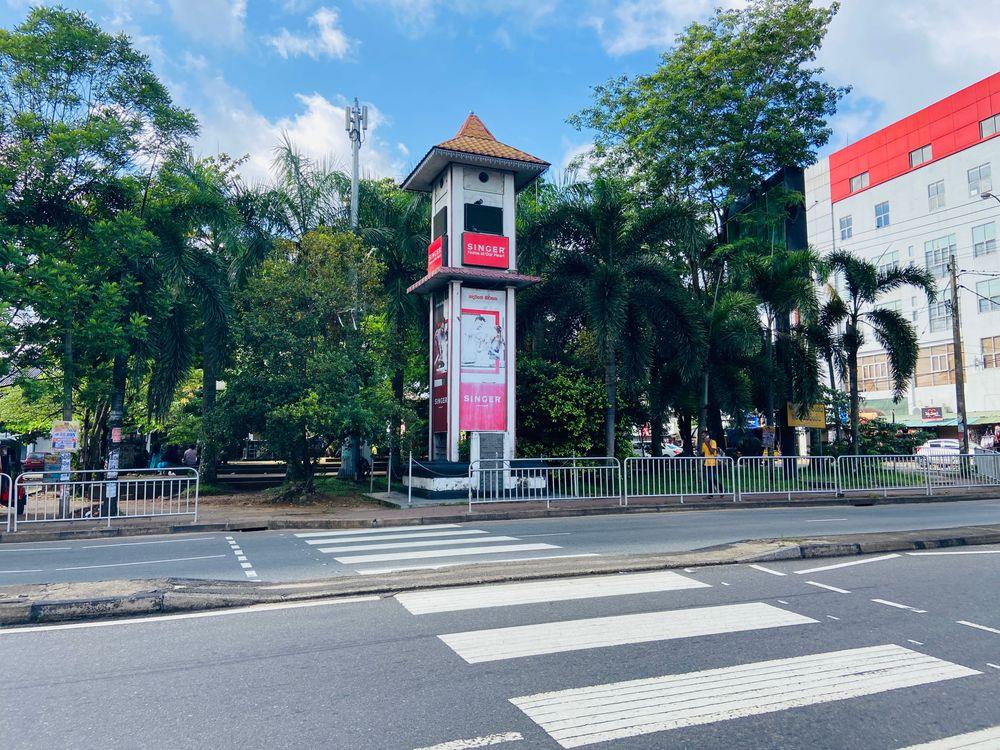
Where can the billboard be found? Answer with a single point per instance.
(490, 250)
(815, 417)
(435, 254)
(483, 357)
(439, 364)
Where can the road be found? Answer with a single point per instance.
(290, 556)
(881, 652)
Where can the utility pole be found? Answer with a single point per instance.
(956, 335)
(355, 123)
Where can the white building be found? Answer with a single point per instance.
(916, 192)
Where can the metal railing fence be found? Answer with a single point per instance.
(544, 479)
(882, 473)
(679, 476)
(786, 475)
(981, 469)
(92, 495)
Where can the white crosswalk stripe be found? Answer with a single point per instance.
(421, 547)
(553, 637)
(985, 739)
(584, 716)
(535, 592)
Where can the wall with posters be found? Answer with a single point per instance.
(483, 357)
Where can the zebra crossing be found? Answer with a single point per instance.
(428, 547)
(618, 710)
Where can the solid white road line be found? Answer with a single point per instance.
(767, 570)
(424, 554)
(985, 739)
(477, 646)
(958, 552)
(189, 615)
(158, 541)
(828, 588)
(380, 530)
(35, 549)
(395, 569)
(978, 627)
(414, 535)
(140, 562)
(584, 716)
(535, 592)
(991, 664)
(825, 520)
(847, 564)
(420, 543)
(900, 606)
(487, 741)
(32, 570)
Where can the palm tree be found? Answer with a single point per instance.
(865, 284)
(609, 273)
(395, 225)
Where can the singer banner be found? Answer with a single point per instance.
(483, 352)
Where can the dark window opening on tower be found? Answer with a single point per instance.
(483, 219)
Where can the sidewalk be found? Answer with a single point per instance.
(65, 602)
(228, 513)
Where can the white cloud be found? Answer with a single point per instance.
(231, 124)
(218, 21)
(327, 40)
(633, 25)
(419, 17)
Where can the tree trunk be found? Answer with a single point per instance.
(703, 410)
(119, 380)
(209, 446)
(395, 429)
(838, 426)
(684, 422)
(852, 371)
(610, 412)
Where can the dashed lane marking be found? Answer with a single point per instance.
(897, 605)
(828, 587)
(958, 552)
(764, 569)
(978, 627)
(847, 564)
(985, 739)
(241, 558)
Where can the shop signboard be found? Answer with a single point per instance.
(489, 250)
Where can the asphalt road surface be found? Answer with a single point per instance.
(881, 652)
(290, 556)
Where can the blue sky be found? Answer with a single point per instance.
(252, 69)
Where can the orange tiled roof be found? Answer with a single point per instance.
(474, 138)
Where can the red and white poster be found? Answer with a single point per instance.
(483, 354)
(490, 250)
(439, 365)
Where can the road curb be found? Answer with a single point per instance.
(285, 524)
(164, 596)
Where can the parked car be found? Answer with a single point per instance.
(670, 449)
(34, 462)
(940, 447)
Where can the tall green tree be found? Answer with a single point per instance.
(608, 270)
(864, 285)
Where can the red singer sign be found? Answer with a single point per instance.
(435, 254)
(485, 250)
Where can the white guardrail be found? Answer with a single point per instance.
(786, 475)
(8, 498)
(93, 495)
(544, 479)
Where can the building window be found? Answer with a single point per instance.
(846, 227)
(989, 295)
(940, 316)
(875, 373)
(980, 180)
(920, 155)
(989, 126)
(882, 214)
(889, 261)
(859, 182)
(984, 239)
(895, 305)
(991, 351)
(936, 365)
(935, 195)
(937, 253)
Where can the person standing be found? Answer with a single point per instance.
(710, 452)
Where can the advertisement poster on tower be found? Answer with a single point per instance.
(439, 365)
(483, 350)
